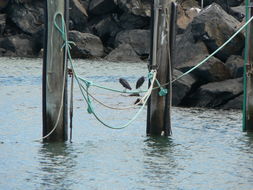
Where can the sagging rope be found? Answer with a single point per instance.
(67, 45)
(163, 91)
(187, 72)
(88, 84)
(145, 99)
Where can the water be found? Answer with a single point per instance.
(206, 151)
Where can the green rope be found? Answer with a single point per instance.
(187, 72)
(212, 54)
(90, 109)
(111, 89)
(67, 44)
(245, 70)
(163, 91)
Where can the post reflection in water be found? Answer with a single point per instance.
(207, 150)
(57, 164)
(159, 161)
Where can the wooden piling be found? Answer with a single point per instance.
(54, 89)
(249, 95)
(163, 34)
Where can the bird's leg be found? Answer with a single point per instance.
(70, 72)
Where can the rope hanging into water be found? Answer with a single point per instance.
(67, 46)
(88, 83)
(62, 30)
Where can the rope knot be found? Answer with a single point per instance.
(150, 75)
(90, 108)
(163, 91)
(89, 83)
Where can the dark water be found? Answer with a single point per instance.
(206, 151)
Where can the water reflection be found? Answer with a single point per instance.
(159, 161)
(57, 163)
(206, 151)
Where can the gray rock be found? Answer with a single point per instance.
(78, 15)
(235, 103)
(100, 7)
(130, 21)
(235, 66)
(123, 53)
(138, 39)
(87, 45)
(2, 23)
(211, 71)
(188, 4)
(185, 15)
(106, 29)
(18, 45)
(187, 49)
(215, 94)
(181, 87)
(3, 4)
(135, 7)
(224, 3)
(29, 17)
(214, 26)
(239, 11)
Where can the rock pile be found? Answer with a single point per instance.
(119, 30)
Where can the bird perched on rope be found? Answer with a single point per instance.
(138, 101)
(140, 82)
(124, 83)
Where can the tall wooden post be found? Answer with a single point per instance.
(163, 34)
(54, 74)
(249, 59)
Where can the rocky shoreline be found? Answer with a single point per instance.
(119, 30)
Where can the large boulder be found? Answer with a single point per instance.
(135, 7)
(3, 4)
(214, 26)
(238, 12)
(185, 16)
(2, 23)
(211, 71)
(235, 103)
(226, 5)
(187, 49)
(106, 28)
(188, 4)
(235, 66)
(86, 45)
(18, 45)
(29, 17)
(123, 53)
(130, 21)
(223, 3)
(100, 7)
(181, 87)
(215, 94)
(135, 14)
(78, 15)
(138, 39)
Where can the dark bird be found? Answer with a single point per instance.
(138, 102)
(124, 83)
(140, 82)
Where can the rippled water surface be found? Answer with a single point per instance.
(206, 151)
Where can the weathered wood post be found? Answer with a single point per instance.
(249, 58)
(163, 34)
(54, 74)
